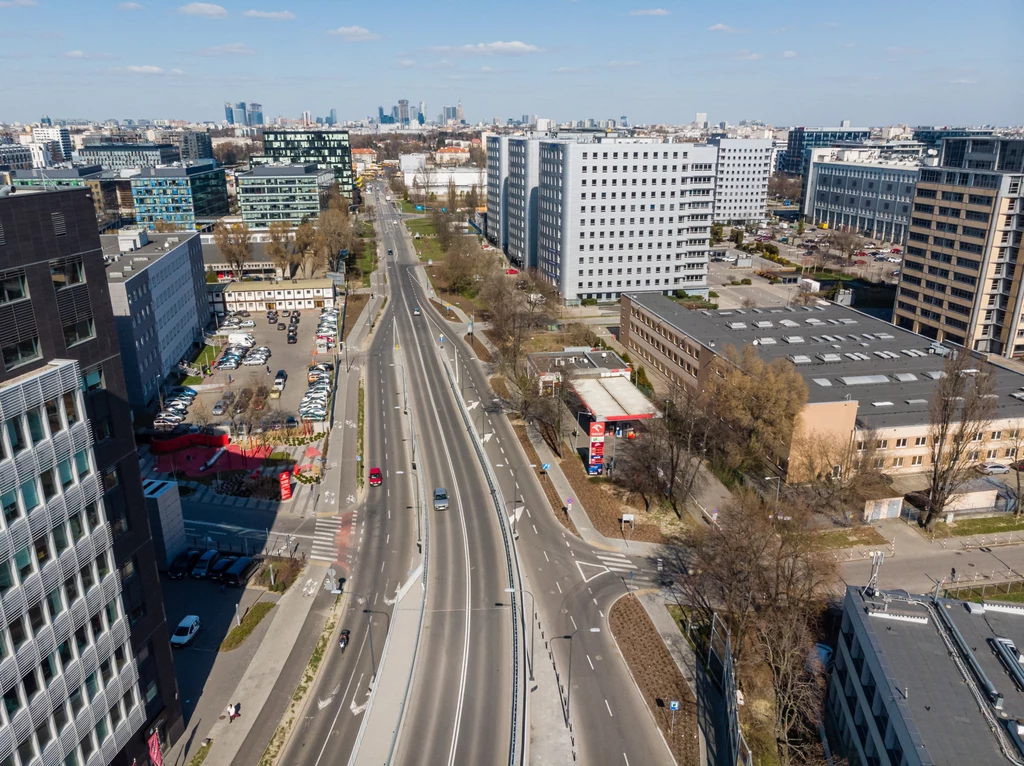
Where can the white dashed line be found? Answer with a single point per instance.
(609, 709)
(558, 586)
(589, 662)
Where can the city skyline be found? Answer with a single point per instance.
(659, 63)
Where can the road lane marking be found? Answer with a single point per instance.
(557, 585)
(589, 662)
(609, 709)
(574, 626)
(535, 529)
(546, 557)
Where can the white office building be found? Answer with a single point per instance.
(621, 214)
(523, 176)
(744, 165)
(862, 189)
(16, 156)
(68, 675)
(46, 134)
(497, 189)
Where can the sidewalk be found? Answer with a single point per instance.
(260, 678)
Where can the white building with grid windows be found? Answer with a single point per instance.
(621, 215)
(67, 673)
(744, 165)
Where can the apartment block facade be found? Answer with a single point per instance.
(961, 280)
(523, 172)
(47, 134)
(127, 156)
(292, 193)
(497, 190)
(741, 191)
(618, 215)
(861, 190)
(86, 673)
(180, 195)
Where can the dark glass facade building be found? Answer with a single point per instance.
(802, 140)
(94, 682)
(329, 149)
(180, 195)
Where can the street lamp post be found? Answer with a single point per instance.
(568, 692)
(533, 621)
(405, 388)
(778, 486)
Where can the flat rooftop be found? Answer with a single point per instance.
(582, 361)
(841, 353)
(926, 681)
(297, 169)
(140, 258)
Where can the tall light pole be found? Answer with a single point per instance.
(778, 486)
(515, 489)
(533, 622)
(405, 388)
(568, 692)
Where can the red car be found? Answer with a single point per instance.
(376, 477)
(511, 272)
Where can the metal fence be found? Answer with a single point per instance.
(719, 662)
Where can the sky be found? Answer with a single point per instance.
(793, 63)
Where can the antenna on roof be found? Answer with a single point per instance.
(877, 557)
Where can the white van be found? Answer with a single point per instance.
(241, 339)
(321, 346)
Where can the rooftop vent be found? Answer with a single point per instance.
(881, 404)
(864, 380)
(936, 375)
(824, 382)
(905, 377)
(830, 357)
(799, 359)
(794, 339)
(917, 401)
(737, 325)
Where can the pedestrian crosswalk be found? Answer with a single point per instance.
(617, 562)
(325, 539)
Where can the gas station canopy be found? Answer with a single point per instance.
(614, 399)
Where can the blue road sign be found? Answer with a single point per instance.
(673, 705)
(545, 466)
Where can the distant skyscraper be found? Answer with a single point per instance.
(254, 114)
(333, 118)
(394, 114)
(624, 121)
(307, 117)
(459, 116)
(235, 113)
(448, 114)
(701, 119)
(423, 112)
(403, 111)
(59, 136)
(46, 120)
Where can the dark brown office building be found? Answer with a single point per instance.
(55, 305)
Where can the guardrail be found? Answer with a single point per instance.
(517, 746)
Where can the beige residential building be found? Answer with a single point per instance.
(869, 384)
(960, 280)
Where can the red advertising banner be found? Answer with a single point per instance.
(154, 750)
(596, 448)
(596, 430)
(286, 486)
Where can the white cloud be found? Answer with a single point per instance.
(779, 30)
(227, 49)
(486, 69)
(273, 15)
(961, 81)
(84, 55)
(129, 7)
(498, 48)
(724, 28)
(209, 10)
(650, 12)
(789, 54)
(622, 64)
(354, 34)
(13, 3)
(406, 63)
(849, 45)
(441, 64)
(143, 69)
(746, 55)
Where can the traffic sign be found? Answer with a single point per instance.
(673, 705)
(568, 503)
(545, 466)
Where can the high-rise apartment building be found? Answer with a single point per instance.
(192, 145)
(254, 114)
(329, 149)
(292, 193)
(744, 166)
(403, 111)
(61, 136)
(802, 140)
(236, 114)
(86, 670)
(959, 281)
(523, 177)
(497, 189)
(619, 215)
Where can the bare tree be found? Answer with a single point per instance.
(280, 248)
(832, 467)
(846, 240)
(334, 233)
(235, 244)
(1015, 440)
(305, 238)
(460, 266)
(961, 410)
(162, 226)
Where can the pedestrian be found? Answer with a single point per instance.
(268, 369)
(231, 712)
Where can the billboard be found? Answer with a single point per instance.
(596, 460)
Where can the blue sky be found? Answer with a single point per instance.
(791, 63)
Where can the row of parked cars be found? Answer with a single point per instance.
(240, 353)
(292, 326)
(327, 329)
(314, 403)
(175, 407)
(214, 565)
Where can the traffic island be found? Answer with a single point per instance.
(657, 677)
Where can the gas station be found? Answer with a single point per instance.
(614, 405)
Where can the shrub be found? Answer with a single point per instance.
(239, 633)
(745, 281)
(712, 294)
(589, 302)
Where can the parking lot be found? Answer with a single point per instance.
(294, 359)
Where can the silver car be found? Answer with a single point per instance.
(440, 499)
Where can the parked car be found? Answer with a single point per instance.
(186, 631)
(247, 323)
(202, 567)
(183, 564)
(240, 572)
(990, 467)
(220, 408)
(293, 339)
(281, 326)
(223, 564)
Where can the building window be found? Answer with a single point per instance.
(997, 435)
(67, 272)
(9, 500)
(79, 332)
(35, 425)
(49, 483)
(973, 456)
(13, 288)
(920, 441)
(70, 408)
(92, 380)
(110, 479)
(901, 443)
(20, 353)
(882, 444)
(897, 462)
(53, 417)
(879, 462)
